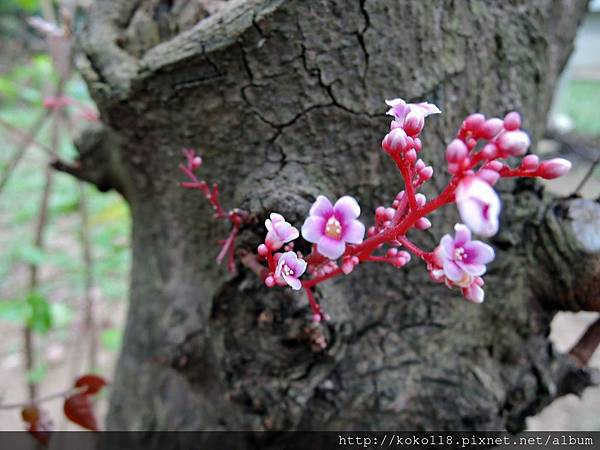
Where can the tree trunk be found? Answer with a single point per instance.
(284, 100)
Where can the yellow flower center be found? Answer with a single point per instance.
(333, 228)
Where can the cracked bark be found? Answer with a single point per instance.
(284, 100)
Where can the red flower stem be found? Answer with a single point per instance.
(314, 306)
(405, 171)
(211, 196)
(414, 249)
(507, 172)
(383, 259)
(270, 261)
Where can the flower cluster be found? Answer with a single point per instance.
(476, 160)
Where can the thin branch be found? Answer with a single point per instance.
(30, 135)
(36, 401)
(587, 344)
(587, 176)
(15, 130)
(86, 246)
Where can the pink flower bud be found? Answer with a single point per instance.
(420, 164)
(421, 199)
(491, 128)
(473, 122)
(196, 162)
(456, 151)
(515, 143)
(414, 123)
(347, 265)
(262, 250)
(494, 165)
(394, 141)
(270, 281)
(411, 155)
(418, 144)
(380, 215)
(530, 162)
(392, 252)
(489, 151)
(316, 318)
(404, 255)
(426, 173)
(423, 223)
(512, 121)
(489, 176)
(554, 168)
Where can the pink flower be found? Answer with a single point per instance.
(479, 205)
(410, 116)
(331, 227)
(279, 231)
(290, 268)
(461, 258)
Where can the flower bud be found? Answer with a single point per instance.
(489, 151)
(392, 252)
(411, 155)
(262, 250)
(347, 265)
(512, 121)
(473, 122)
(380, 214)
(554, 168)
(515, 143)
(418, 144)
(395, 124)
(414, 123)
(421, 199)
(394, 141)
(423, 223)
(426, 173)
(456, 151)
(196, 162)
(530, 162)
(419, 164)
(270, 281)
(491, 128)
(494, 165)
(489, 176)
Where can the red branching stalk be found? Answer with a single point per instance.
(458, 261)
(236, 217)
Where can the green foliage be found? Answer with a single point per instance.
(580, 102)
(34, 310)
(40, 314)
(111, 339)
(36, 375)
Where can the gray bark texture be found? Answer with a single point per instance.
(284, 100)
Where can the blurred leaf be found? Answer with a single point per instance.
(40, 318)
(61, 314)
(78, 409)
(29, 6)
(36, 375)
(14, 311)
(115, 211)
(32, 255)
(111, 339)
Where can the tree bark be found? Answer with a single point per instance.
(284, 100)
